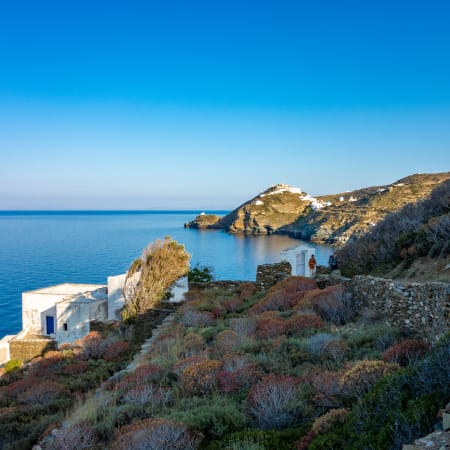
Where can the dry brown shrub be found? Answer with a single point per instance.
(161, 264)
(300, 322)
(201, 378)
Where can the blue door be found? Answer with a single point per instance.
(50, 323)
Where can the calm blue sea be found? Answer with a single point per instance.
(39, 249)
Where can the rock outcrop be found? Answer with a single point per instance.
(203, 221)
(330, 219)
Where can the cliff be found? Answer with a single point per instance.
(331, 219)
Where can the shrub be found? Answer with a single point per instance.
(246, 290)
(115, 350)
(42, 393)
(226, 342)
(140, 394)
(406, 352)
(270, 327)
(237, 373)
(298, 323)
(74, 437)
(244, 327)
(356, 381)
(333, 304)
(318, 343)
(274, 401)
(155, 434)
(325, 387)
(145, 374)
(161, 264)
(326, 422)
(93, 345)
(201, 273)
(182, 364)
(201, 378)
(232, 304)
(12, 364)
(76, 368)
(190, 317)
(214, 416)
(193, 344)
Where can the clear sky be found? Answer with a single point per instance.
(203, 104)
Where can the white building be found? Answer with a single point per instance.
(64, 311)
(298, 258)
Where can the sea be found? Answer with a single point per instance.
(44, 248)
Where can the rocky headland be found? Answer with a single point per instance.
(332, 219)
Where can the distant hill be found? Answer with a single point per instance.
(332, 219)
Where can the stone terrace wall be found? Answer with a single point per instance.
(269, 274)
(423, 308)
(26, 349)
(230, 286)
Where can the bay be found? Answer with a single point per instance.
(43, 248)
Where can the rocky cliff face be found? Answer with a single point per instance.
(331, 219)
(266, 213)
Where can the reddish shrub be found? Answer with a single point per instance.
(93, 345)
(226, 341)
(190, 317)
(201, 378)
(270, 327)
(238, 379)
(300, 322)
(142, 375)
(274, 401)
(303, 443)
(246, 290)
(53, 354)
(273, 301)
(232, 304)
(41, 393)
(76, 368)
(333, 304)
(406, 352)
(155, 434)
(115, 350)
(325, 387)
(16, 388)
(295, 284)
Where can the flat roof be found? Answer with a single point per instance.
(67, 289)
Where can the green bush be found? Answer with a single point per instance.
(267, 439)
(215, 417)
(12, 364)
(201, 274)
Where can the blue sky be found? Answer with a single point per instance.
(202, 104)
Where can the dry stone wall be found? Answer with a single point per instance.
(26, 349)
(269, 274)
(423, 308)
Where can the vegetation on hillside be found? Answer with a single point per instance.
(262, 370)
(417, 230)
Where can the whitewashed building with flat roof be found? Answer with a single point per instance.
(64, 311)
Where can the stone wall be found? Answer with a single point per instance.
(269, 274)
(422, 308)
(230, 286)
(28, 348)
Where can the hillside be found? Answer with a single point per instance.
(411, 243)
(332, 219)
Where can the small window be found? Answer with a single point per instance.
(65, 326)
